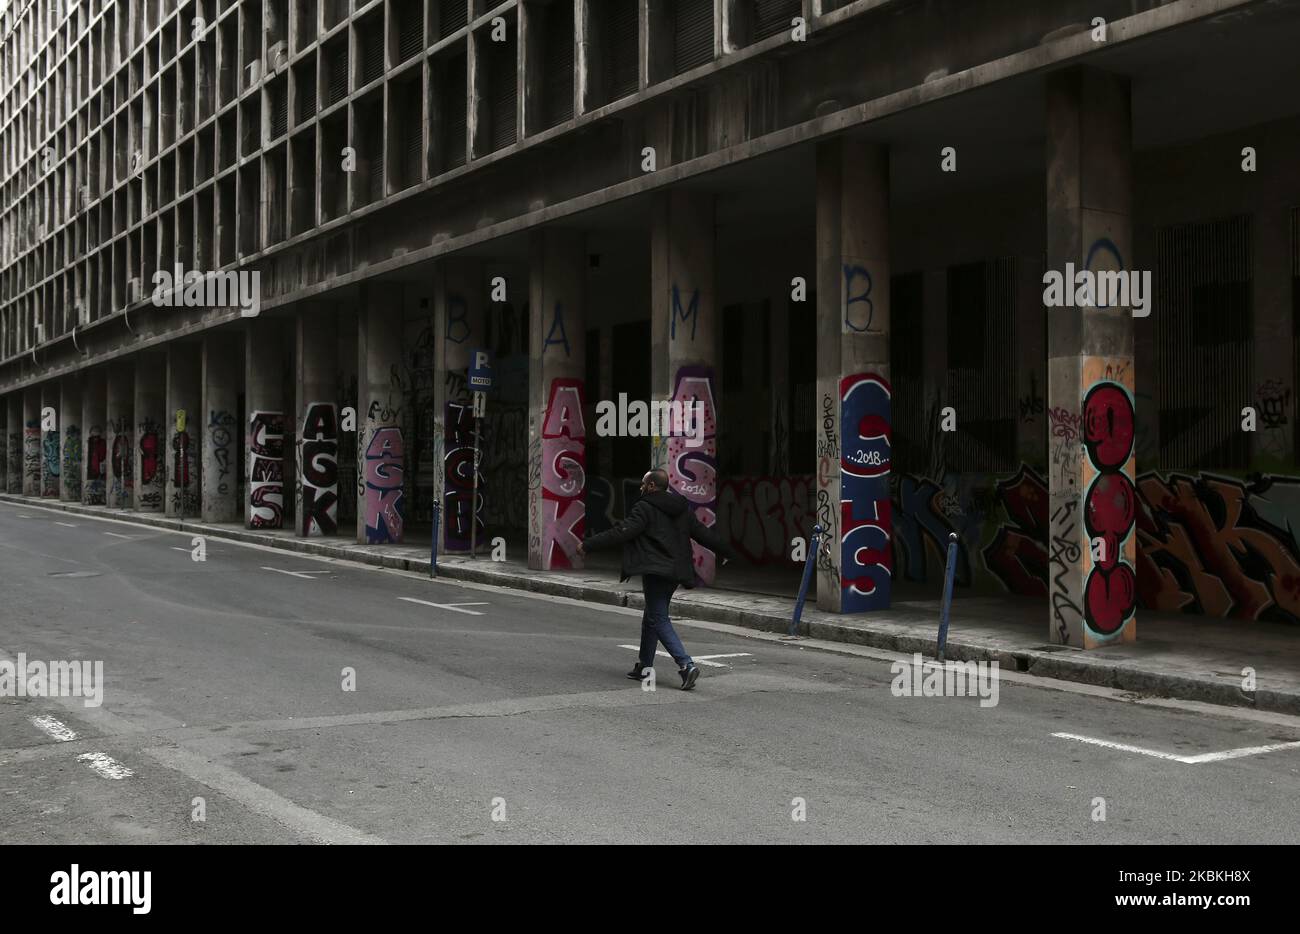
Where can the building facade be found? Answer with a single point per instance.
(830, 225)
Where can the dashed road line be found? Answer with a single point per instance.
(129, 538)
(54, 728)
(698, 659)
(455, 607)
(67, 525)
(105, 765)
(1174, 757)
(305, 575)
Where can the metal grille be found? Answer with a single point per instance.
(1202, 317)
(774, 16)
(453, 15)
(454, 108)
(504, 91)
(410, 28)
(371, 51)
(692, 34)
(620, 65)
(278, 101)
(412, 137)
(912, 439)
(558, 63)
(981, 366)
(306, 96)
(337, 61)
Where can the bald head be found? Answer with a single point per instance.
(655, 480)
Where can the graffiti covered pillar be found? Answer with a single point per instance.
(1090, 393)
(316, 490)
(120, 440)
(265, 428)
(220, 427)
(380, 452)
(557, 434)
(51, 454)
(684, 350)
(184, 391)
(150, 412)
(32, 442)
(14, 443)
(5, 424)
(94, 447)
(69, 440)
(460, 304)
(854, 406)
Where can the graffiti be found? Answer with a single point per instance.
(72, 461)
(691, 314)
(50, 457)
(826, 548)
(457, 319)
(828, 445)
(121, 459)
(1110, 507)
(760, 515)
(503, 461)
(383, 496)
(1064, 423)
(866, 557)
(150, 494)
(15, 462)
(185, 473)
(1273, 398)
(1065, 553)
(925, 513)
(1017, 555)
(557, 324)
(859, 309)
(1031, 406)
(266, 470)
(564, 479)
(318, 452)
(220, 424)
(459, 469)
(92, 492)
(693, 471)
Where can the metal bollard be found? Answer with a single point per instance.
(807, 578)
(433, 543)
(948, 574)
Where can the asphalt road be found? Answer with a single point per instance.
(507, 718)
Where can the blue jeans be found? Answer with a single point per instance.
(655, 624)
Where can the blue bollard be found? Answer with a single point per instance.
(807, 578)
(948, 574)
(433, 543)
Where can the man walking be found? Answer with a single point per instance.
(656, 538)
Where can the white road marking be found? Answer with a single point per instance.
(105, 765)
(456, 607)
(305, 575)
(1173, 757)
(115, 535)
(699, 659)
(23, 515)
(67, 525)
(728, 655)
(54, 728)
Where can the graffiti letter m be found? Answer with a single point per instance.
(691, 314)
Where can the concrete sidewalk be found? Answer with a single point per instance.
(1176, 655)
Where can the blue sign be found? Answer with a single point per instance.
(480, 370)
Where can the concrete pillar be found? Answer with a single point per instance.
(380, 452)
(94, 451)
(51, 451)
(855, 565)
(1273, 442)
(150, 448)
(460, 303)
(316, 487)
(1090, 372)
(684, 331)
(5, 424)
(184, 391)
(69, 435)
(32, 442)
(557, 435)
(264, 395)
(778, 423)
(346, 393)
(220, 426)
(121, 435)
(14, 443)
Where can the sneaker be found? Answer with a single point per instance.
(690, 674)
(637, 673)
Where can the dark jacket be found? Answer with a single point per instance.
(656, 538)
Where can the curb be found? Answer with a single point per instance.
(1040, 663)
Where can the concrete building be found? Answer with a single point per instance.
(832, 224)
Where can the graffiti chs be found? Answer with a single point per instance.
(693, 471)
(318, 465)
(96, 467)
(220, 434)
(122, 461)
(1110, 508)
(50, 457)
(866, 519)
(266, 470)
(150, 494)
(72, 461)
(383, 494)
(564, 477)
